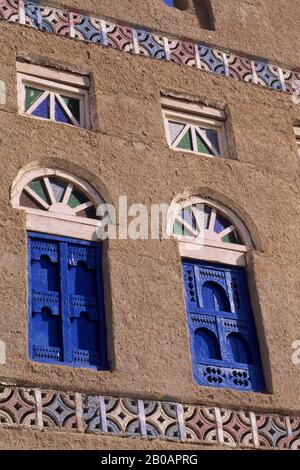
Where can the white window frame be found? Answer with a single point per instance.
(195, 115)
(297, 135)
(56, 223)
(211, 248)
(56, 83)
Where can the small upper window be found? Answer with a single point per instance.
(195, 128)
(52, 95)
(297, 135)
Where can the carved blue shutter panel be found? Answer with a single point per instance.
(66, 309)
(224, 344)
(45, 319)
(85, 303)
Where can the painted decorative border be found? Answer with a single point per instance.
(147, 43)
(50, 410)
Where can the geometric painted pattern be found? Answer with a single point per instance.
(143, 42)
(196, 218)
(198, 139)
(50, 410)
(17, 407)
(56, 194)
(58, 410)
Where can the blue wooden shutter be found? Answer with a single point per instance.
(86, 306)
(45, 319)
(224, 344)
(66, 308)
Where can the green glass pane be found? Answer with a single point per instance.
(187, 232)
(232, 238)
(32, 94)
(202, 147)
(38, 187)
(76, 199)
(73, 105)
(186, 142)
(178, 229)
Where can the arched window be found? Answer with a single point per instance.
(203, 225)
(66, 307)
(65, 203)
(213, 243)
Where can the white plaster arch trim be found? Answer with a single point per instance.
(57, 218)
(210, 246)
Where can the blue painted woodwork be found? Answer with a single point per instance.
(224, 345)
(206, 345)
(66, 309)
(170, 3)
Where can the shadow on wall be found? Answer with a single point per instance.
(204, 12)
(202, 8)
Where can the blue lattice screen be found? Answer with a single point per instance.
(66, 309)
(224, 344)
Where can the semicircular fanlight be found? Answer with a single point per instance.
(193, 219)
(56, 194)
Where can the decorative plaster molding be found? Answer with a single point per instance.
(139, 41)
(50, 410)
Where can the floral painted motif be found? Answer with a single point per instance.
(240, 68)
(182, 53)
(9, 10)
(17, 407)
(211, 60)
(151, 44)
(87, 29)
(58, 410)
(200, 423)
(119, 37)
(291, 81)
(268, 75)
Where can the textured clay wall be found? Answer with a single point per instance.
(36, 440)
(265, 28)
(126, 154)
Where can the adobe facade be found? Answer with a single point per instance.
(125, 153)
